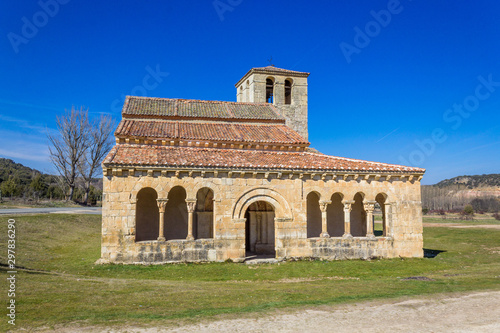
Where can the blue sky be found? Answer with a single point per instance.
(407, 82)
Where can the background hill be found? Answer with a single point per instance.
(492, 180)
(9, 168)
(480, 191)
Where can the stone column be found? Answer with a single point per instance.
(369, 206)
(388, 219)
(162, 203)
(347, 218)
(191, 205)
(323, 206)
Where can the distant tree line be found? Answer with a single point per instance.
(19, 181)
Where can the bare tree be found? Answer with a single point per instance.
(68, 147)
(100, 143)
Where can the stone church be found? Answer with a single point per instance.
(192, 180)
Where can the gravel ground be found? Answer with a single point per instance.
(472, 312)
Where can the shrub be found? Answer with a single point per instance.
(425, 211)
(496, 216)
(468, 212)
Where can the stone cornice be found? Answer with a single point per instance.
(304, 175)
(211, 144)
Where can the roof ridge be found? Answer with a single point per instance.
(197, 100)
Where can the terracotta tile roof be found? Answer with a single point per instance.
(209, 131)
(272, 70)
(147, 155)
(195, 109)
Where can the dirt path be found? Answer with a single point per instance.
(458, 225)
(472, 312)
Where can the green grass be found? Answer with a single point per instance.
(64, 286)
(43, 203)
(478, 220)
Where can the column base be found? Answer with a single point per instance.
(189, 238)
(324, 235)
(370, 235)
(347, 236)
(161, 239)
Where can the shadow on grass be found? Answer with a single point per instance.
(428, 253)
(6, 268)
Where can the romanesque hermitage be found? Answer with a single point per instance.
(192, 180)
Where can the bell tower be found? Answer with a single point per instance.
(285, 89)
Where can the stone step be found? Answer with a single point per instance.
(257, 261)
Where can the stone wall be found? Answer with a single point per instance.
(235, 192)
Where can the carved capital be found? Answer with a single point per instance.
(191, 205)
(162, 203)
(348, 205)
(369, 206)
(323, 205)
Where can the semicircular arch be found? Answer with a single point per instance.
(281, 207)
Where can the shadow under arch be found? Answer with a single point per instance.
(146, 215)
(313, 214)
(381, 199)
(176, 214)
(335, 216)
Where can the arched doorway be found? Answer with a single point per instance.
(259, 229)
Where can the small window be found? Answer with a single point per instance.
(288, 92)
(269, 91)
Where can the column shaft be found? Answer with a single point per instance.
(347, 218)
(369, 206)
(191, 203)
(162, 203)
(324, 223)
